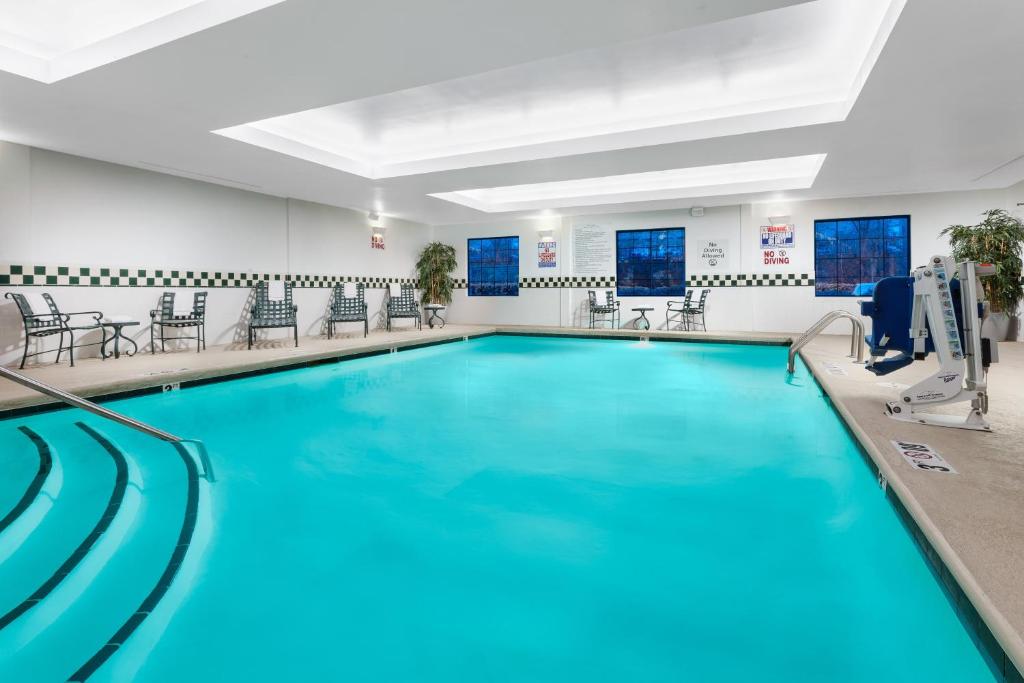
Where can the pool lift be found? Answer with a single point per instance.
(945, 307)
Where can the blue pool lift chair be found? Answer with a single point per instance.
(890, 309)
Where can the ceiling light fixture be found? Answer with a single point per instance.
(766, 175)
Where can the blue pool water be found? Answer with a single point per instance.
(512, 509)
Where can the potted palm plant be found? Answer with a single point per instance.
(434, 267)
(998, 239)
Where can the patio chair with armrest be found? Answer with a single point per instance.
(42, 318)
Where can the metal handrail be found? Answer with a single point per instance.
(89, 406)
(856, 336)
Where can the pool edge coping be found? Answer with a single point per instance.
(1009, 639)
(142, 386)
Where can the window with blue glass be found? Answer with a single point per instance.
(852, 254)
(650, 262)
(494, 266)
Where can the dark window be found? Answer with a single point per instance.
(650, 262)
(494, 266)
(850, 254)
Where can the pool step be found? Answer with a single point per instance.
(33, 565)
(118, 525)
(22, 474)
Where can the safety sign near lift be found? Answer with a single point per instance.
(922, 457)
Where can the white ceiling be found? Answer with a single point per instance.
(48, 40)
(730, 77)
(763, 175)
(445, 84)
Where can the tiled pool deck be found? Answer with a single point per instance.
(971, 519)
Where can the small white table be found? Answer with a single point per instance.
(434, 310)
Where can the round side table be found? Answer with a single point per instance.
(117, 326)
(642, 323)
(435, 314)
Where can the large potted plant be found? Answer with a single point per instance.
(997, 239)
(435, 266)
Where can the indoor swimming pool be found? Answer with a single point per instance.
(508, 508)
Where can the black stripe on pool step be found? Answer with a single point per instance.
(188, 527)
(116, 498)
(45, 465)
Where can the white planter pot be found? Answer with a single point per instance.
(1001, 327)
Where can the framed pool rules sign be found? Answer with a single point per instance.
(777, 236)
(547, 254)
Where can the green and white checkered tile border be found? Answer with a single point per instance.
(571, 281)
(752, 280)
(89, 276)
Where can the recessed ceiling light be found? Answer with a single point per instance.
(48, 40)
(789, 173)
(799, 65)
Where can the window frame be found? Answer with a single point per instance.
(470, 266)
(814, 239)
(618, 277)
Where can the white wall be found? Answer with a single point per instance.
(57, 209)
(782, 309)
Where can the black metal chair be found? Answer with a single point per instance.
(404, 306)
(675, 311)
(268, 313)
(606, 307)
(693, 312)
(348, 309)
(52, 322)
(166, 316)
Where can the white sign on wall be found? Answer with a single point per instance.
(592, 250)
(714, 254)
(778, 236)
(547, 254)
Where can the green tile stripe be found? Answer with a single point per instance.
(89, 276)
(752, 280)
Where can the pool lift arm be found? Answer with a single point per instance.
(963, 368)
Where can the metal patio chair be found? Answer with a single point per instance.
(167, 316)
(694, 312)
(348, 309)
(404, 306)
(53, 321)
(269, 313)
(603, 306)
(675, 311)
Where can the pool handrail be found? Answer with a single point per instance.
(856, 336)
(89, 406)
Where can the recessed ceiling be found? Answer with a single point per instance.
(795, 66)
(928, 118)
(48, 40)
(766, 175)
